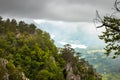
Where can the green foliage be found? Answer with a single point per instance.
(79, 66)
(31, 52)
(15, 74)
(44, 75)
(111, 35)
(9, 71)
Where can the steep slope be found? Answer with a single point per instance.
(29, 51)
(86, 35)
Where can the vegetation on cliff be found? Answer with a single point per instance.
(29, 51)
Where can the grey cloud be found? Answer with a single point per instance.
(64, 10)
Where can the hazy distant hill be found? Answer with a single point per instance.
(103, 64)
(94, 53)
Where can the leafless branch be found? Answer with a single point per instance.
(116, 5)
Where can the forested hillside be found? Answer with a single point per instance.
(29, 53)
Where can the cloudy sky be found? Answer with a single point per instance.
(61, 10)
(68, 21)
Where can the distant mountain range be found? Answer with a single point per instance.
(86, 41)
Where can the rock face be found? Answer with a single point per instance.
(70, 74)
(3, 70)
(7, 74)
(75, 68)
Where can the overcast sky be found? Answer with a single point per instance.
(61, 10)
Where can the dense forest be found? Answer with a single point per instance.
(29, 53)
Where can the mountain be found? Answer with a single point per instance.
(85, 39)
(29, 53)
